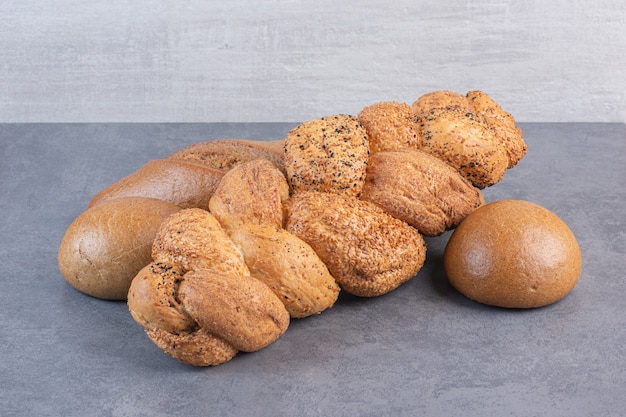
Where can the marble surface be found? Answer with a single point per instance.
(423, 349)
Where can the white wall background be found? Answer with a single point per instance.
(252, 60)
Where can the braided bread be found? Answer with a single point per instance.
(255, 234)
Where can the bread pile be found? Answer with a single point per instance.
(219, 245)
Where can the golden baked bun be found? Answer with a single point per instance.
(193, 239)
(251, 192)
(440, 99)
(428, 194)
(105, 246)
(472, 133)
(389, 125)
(368, 252)
(502, 124)
(327, 155)
(464, 140)
(153, 303)
(514, 254)
(288, 266)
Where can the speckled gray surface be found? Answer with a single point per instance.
(423, 349)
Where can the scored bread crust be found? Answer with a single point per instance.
(368, 252)
(430, 195)
(225, 154)
(328, 155)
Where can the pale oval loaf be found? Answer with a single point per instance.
(105, 246)
(429, 194)
(368, 252)
(289, 267)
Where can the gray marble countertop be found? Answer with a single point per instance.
(423, 349)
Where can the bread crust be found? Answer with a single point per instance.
(225, 154)
(368, 252)
(197, 347)
(436, 100)
(105, 246)
(420, 189)
(193, 239)
(251, 192)
(289, 267)
(513, 254)
(502, 123)
(328, 155)
(389, 125)
(180, 182)
(464, 140)
(152, 299)
(238, 309)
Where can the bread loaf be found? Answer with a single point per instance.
(502, 124)
(106, 246)
(226, 241)
(193, 239)
(471, 133)
(180, 182)
(153, 302)
(514, 254)
(239, 309)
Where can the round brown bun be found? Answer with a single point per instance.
(513, 254)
